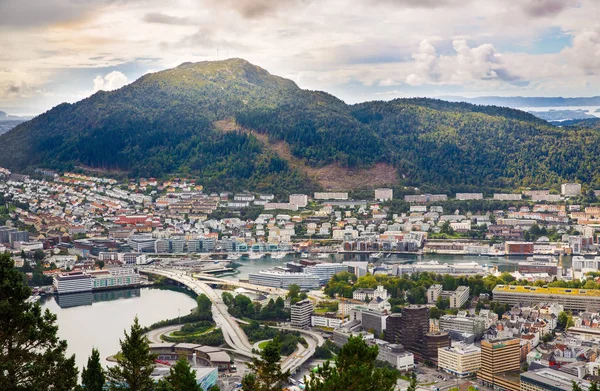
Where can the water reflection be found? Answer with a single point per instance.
(88, 298)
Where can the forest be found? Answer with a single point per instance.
(163, 125)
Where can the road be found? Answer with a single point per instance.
(245, 285)
(232, 332)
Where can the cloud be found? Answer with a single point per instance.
(424, 3)
(254, 9)
(160, 18)
(111, 81)
(466, 65)
(544, 8)
(585, 51)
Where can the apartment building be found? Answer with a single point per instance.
(459, 297)
(433, 292)
(500, 364)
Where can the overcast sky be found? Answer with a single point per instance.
(54, 51)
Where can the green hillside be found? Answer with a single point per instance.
(164, 124)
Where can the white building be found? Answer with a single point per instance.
(301, 313)
(507, 197)
(323, 321)
(331, 196)
(459, 297)
(72, 282)
(281, 279)
(325, 271)
(301, 200)
(384, 194)
(570, 189)
(433, 292)
(469, 196)
(460, 360)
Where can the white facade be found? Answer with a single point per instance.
(72, 283)
(301, 200)
(433, 292)
(284, 279)
(570, 189)
(461, 360)
(331, 196)
(459, 297)
(507, 197)
(301, 313)
(325, 271)
(469, 196)
(384, 194)
(322, 321)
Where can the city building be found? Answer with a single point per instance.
(518, 248)
(500, 364)
(72, 282)
(570, 189)
(325, 321)
(301, 313)
(469, 196)
(371, 320)
(392, 328)
(432, 342)
(325, 271)
(414, 324)
(460, 360)
(433, 292)
(300, 200)
(395, 355)
(459, 297)
(548, 379)
(363, 294)
(384, 194)
(331, 196)
(473, 324)
(570, 299)
(281, 279)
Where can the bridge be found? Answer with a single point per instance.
(234, 336)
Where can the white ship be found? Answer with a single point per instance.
(278, 255)
(376, 255)
(234, 256)
(254, 255)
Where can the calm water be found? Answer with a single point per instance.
(98, 320)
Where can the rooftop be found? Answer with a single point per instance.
(547, 291)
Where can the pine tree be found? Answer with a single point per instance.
(181, 377)
(135, 363)
(266, 371)
(354, 370)
(33, 358)
(92, 376)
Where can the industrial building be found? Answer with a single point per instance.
(569, 298)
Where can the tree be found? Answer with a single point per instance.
(92, 376)
(354, 369)
(38, 255)
(266, 374)
(562, 320)
(576, 386)
(293, 291)
(593, 386)
(33, 358)
(413, 382)
(135, 363)
(101, 264)
(181, 377)
(204, 304)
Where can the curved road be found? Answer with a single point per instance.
(234, 335)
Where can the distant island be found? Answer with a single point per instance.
(562, 115)
(520, 101)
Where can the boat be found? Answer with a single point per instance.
(376, 255)
(278, 255)
(323, 255)
(254, 255)
(234, 256)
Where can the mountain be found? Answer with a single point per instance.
(234, 126)
(520, 101)
(7, 122)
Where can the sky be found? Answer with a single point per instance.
(55, 51)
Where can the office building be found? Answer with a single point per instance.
(459, 297)
(325, 271)
(371, 320)
(432, 342)
(460, 360)
(570, 189)
(72, 282)
(472, 325)
(547, 379)
(392, 328)
(414, 324)
(301, 313)
(282, 279)
(469, 196)
(570, 299)
(395, 355)
(433, 293)
(500, 364)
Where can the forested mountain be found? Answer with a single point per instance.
(165, 124)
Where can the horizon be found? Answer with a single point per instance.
(65, 50)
